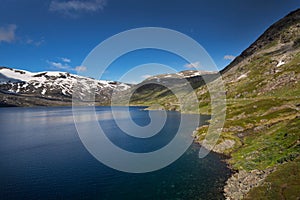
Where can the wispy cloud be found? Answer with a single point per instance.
(65, 66)
(75, 7)
(229, 57)
(7, 33)
(193, 65)
(80, 68)
(59, 65)
(131, 82)
(66, 60)
(146, 76)
(36, 43)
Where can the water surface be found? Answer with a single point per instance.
(42, 157)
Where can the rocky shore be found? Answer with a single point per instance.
(240, 183)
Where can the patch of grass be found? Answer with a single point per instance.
(271, 44)
(284, 183)
(273, 146)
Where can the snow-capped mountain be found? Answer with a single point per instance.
(183, 74)
(156, 87)
(194, 77)
(45, 88)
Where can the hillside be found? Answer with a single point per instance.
(155, 89)
(261, 132)
(23, 88)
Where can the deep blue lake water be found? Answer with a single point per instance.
(42, 157)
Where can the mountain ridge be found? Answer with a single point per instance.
(269, 35)
(50, 88)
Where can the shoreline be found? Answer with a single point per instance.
(236, 186)
(240, 182)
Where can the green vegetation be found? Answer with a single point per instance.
(281, 184)
(267, 148)
(262, 114)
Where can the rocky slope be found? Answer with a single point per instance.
(23, 88)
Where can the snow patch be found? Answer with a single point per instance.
(44, 91)
(25, 85)
(281, 62)
(242, 76)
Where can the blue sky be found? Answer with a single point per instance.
(57, 35)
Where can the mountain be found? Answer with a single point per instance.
(267, 68)
(282, 35)
(155, 89)
(23, 88)
(261, 134)
(195, 78)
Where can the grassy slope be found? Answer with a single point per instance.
(263, 116)
(281, 184)
(266, 128)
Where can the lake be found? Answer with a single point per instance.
(42, 157)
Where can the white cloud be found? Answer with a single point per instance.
(146, 76)
(80, 68)
(36, 43)
(66, 67)
(192, 65)
(229, 57)
(59, 65)
(131, 82)
(73, 7)
(66, 60)
(7, 33)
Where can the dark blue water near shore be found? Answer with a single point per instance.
(43, 158)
